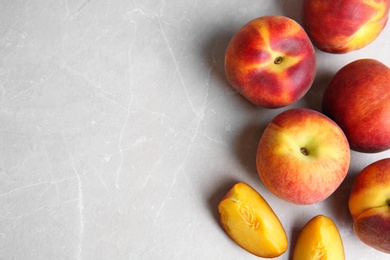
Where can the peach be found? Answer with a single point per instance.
(302, 156)
(343, 26)
(319, 239)
(358, 100)
(251, 223)
(369, 204)
(271, 61)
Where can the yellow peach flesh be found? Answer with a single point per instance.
(251, 223)
(319, 239)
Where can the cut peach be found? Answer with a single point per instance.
(251, 223)
(319, 239)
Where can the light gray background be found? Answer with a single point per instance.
(119, 133)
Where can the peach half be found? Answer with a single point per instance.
(249, 220)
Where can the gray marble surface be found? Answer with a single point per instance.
(119, 133)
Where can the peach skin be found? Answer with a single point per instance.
(302, 156)
(271, 61)
(358, 100)
(343, 26)
(369, 204)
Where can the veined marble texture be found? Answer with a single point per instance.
(119, 133)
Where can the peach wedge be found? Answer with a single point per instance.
(249, 220)
(319, 239)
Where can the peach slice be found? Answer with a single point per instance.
(249, 220)
(319, 239)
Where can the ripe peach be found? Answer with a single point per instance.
(319, 239)
(251, 223)
(358, 100)
(342, 26)
(271, 61)
(369, 204)
(302, 156)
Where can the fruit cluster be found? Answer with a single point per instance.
(304, 155)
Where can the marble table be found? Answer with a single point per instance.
(119, 133)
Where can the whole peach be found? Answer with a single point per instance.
(303, 156)
(271, 61)
(342, 26)
(369, 204)
(358, 99)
